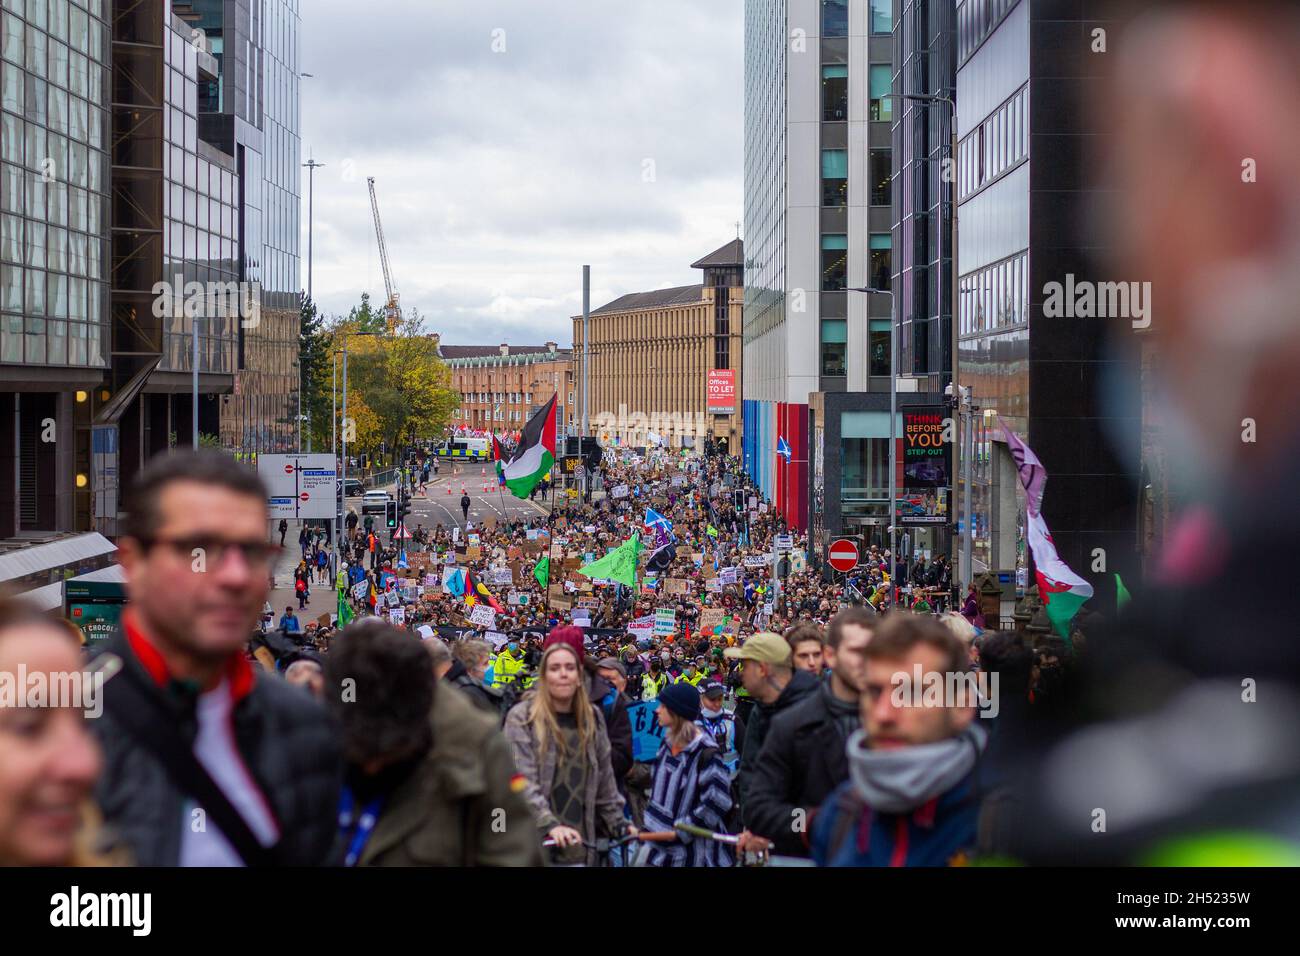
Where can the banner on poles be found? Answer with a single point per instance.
(647, 735)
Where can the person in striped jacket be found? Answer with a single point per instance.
(690, 784)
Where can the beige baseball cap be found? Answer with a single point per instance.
(764, 647)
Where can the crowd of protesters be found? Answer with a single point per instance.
(427, 739)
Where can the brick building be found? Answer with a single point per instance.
(501, 385)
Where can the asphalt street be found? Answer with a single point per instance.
(440, 508)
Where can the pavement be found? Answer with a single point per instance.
(322, 600)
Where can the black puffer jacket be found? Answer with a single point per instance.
(801, 685)
(288, 743)
(802, 761)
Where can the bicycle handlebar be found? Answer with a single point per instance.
(696, 831)
(643, 837)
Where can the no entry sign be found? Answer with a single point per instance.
(844, 555)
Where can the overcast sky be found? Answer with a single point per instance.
(499, 174)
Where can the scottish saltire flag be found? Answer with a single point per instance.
(783, 449)
(660, 526)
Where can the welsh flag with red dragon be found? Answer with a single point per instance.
(1061, 590)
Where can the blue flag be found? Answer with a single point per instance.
(783, 449)
(456, 582)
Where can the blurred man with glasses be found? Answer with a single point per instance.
(210, 762)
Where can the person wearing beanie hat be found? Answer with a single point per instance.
(681, 699)
(689, 783)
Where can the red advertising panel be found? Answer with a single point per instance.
(722, 391)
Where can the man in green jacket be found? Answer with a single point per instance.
(430, 780)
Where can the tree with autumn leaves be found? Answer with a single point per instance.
(399, 390)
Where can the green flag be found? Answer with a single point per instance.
(542, 571)
(619, 565)
(1122, 596)
(711, 531)
(345, 608)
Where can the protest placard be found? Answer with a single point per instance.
(712, 617)
(483, 615)
(665, 621)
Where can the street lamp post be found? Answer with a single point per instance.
(893, 435)
(343, 467)
(964, 573)
(194, 412)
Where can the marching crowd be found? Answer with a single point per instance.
(722, 706)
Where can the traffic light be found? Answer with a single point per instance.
(390, 510)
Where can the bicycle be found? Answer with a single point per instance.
(749, 857)
(605, 846)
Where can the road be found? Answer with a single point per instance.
(441, 508)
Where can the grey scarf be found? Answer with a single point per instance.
(899, 781)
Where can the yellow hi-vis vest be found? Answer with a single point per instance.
(506, 669)
(650, 687)
(693, 681)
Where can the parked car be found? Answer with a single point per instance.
(355, 488)
(375, 502)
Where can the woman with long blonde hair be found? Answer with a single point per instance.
(562, 754)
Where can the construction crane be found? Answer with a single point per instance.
(393, 309)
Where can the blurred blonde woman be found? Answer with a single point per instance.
(562, 754)
(49, 761)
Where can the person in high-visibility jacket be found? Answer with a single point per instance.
(654, 681)
(691, 674)
(506, 668)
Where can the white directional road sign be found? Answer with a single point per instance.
(299, 486)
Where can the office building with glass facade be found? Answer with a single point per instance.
(1025, 75)
(54, 185)
(819, 219)
(251, 109)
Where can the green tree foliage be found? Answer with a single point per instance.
(398, 387)
(315, 353)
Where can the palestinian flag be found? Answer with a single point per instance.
(535, 454)
(496, 457)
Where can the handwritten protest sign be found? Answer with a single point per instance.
(483, 615)
(665, 621)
